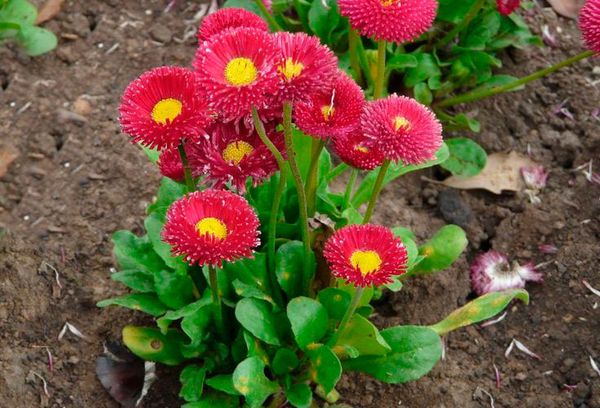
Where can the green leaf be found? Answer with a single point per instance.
(150, 344)
(192, 383)
(363, 193)
(257, 317)
(36, 40)
(366, 297)
(134, 252)
(154, 225)
(326, 369)
(482, 308)
(401, 61)
(323, 19)
(309, 320)
(250, 291)
(408, 239)
(139, 281)
(335, 301)
(299, 395)
(212, 399)
(152, 154)
(144, 302)
(164, 322)
(453, 11)
(442, 249)
(222, 383)
(173, 290)
(21, 12)
(168, 192)
(415, 351)
(423, 93)
(250, 271)
(363, 336)
(284, 362)
(249, 5)
(250, 380)
(467, 158)
(426, 68)
(196, 325)
(290, 270)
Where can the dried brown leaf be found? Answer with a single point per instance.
(50, 9)
(567, 8)
(501, 173)
(8, 154)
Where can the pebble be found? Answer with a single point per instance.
(453, 208)
(82, 106)
(161, 33)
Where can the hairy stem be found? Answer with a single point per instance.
(187, 172)
(376, 190)
(270, 19)
(311, 180)
(347, 316)
(216, 298)
(353, 39)
(349, 188)
(380, 80)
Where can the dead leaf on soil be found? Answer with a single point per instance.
(567, 8)
(502, 172)
(8, 154)
(50, 9)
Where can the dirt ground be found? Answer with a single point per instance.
(76, 180)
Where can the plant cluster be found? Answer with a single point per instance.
(258, 263)
(17, 23)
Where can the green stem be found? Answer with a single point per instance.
(484, 93)
(347, 316)
(349, 188)
(311, 179)
(353, 39)
(216, 298)
(272, 231)
(187, 172)
(291, 156)
(364, 62)
(270, 19)
(380, 80)
(472, 13)
(337, 171)
(376, 190)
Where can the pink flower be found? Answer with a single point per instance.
(535, 177)
(170, 165)
(491, 272)
(229, 18)
(505, 7)
(589, 23)
(353, 150)
(390, 20)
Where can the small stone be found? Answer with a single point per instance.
(82, 106)
(453, 208)
(161, 33)
(521, 376)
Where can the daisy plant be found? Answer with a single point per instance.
(443, 53)
(260, 256)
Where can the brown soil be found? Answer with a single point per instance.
(77, 180)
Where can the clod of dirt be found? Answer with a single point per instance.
(453, 208)
(8, 154)
(501, 173)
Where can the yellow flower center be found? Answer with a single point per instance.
(236, 151)
(401, 123)
(166, 110)
(211, 227)
(240, 72)
(328, 111)
(387, 3)
(291, 69)
(361, 149)
(366, 261)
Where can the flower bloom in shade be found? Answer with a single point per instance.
(589, 23)
(403, 129)
(238, 69)
(365, 255)
(397, 21)
(306, 67)
(353, 150)
(505, 7)
(163, 106)
(170, 165)
(491, 272)
(229, 18)
(231, 155)
(211, 226)
(334, 112)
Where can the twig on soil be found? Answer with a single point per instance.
(498, 378)
(24, 108)
(591, 288)
(112, 49)
(594, 365)
(68, 326)
(494, 321)
(521, 347)
(50, 358)
(44, 383)
(56, 274)
(480, 390)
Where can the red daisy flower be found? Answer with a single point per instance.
(233, 154)
(353, 150)
(589, 23)
(334, 112)
(229, 18)
(211, 226)
(163, 106)
(505, 7)
(402, 129)
(365, 255)
(170, 165)
(307, 66)
(397, 21)
(238, 69)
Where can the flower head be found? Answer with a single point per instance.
(163, 106)
(352, 148)
(397, 21)
(535, 177)
(333, 112)
(491, 272)
(229, 18)
(238, 69)
(589, 23)
(402, 129)
(211, 226)
(170, 165)
(232, 154)
(505, 7)
(365, 255)
(307, 66)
